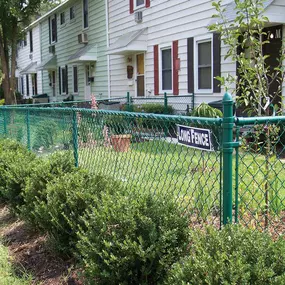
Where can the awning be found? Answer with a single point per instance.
(274, 13)
(31, 68)
(129, 43)
(49, 64)
(87, 53)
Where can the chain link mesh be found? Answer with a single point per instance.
(140, 150)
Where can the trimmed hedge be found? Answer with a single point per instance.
(233, 255)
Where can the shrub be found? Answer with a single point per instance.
(132, 239)
(16, 164)
(45, 134)
(68, 197)
(204, 110)
(232, 256)
(34, 194)
(154, 108)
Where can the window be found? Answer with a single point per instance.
(204, 65)
(139, 3)
(31, 41)
(27, 84)
(166, 69)
(63, 80)
(25, 40)
(35, 83)
(22, 85)
(72, 13)
(62, 18)
(75, 79)
(85, 14)
(53, 29)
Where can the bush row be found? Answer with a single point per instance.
(123, 237)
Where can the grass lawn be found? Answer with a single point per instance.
(8, 275)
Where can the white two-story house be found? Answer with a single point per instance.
(157, 46)
(28, 61)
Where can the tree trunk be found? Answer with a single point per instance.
(13, 62)
(9, 100)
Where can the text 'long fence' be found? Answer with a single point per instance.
(240, 178)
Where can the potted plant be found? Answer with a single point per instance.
(120, 131)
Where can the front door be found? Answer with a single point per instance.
(273, 49)
(87, 82)
(140, 75)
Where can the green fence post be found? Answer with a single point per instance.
(5, 121)
(28, 129)
(75, 137)
(165, 103)
(128, 102)
(228, 124)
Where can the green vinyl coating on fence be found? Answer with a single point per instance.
(142, 152)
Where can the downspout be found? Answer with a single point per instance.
(108, 44)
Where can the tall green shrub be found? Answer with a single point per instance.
(132, 239)
(68, 196)
(34, 194)
(233, 255)
(16, 164)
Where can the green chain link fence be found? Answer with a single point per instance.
(241, 180)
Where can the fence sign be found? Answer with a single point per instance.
(195, 137)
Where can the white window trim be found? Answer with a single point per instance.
(61, 79)
(75, 93)
(86, 28)
(197, 40)
(163, 47)
(139, 6)
(51, 18)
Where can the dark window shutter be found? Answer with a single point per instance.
(190, 64)
(49, 29)
(216, 62)
(147, 3)
(131, 6)
(156, 70)
(66, 79)
(59, 80)
(55, 17)
(175, 68)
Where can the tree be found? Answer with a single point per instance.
(246, 39)
(14, 16)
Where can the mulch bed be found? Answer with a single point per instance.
(30, 253)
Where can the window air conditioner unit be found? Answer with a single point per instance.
(51, 49)
(83, 38)
(30, 56)
(138, 16)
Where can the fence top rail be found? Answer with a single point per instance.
(173, 118)
(62, 103)
(243, 121)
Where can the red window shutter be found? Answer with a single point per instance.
(156, 70)
(131, 6)
(147, 3)
(175, 68)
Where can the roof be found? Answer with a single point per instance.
(31, 68)
(47, 14)
(86, 53)
(135, 41)
(48, 64)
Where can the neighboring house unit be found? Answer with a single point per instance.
(165, 46)
(28, 60)
(73, 47)
(71, 43)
